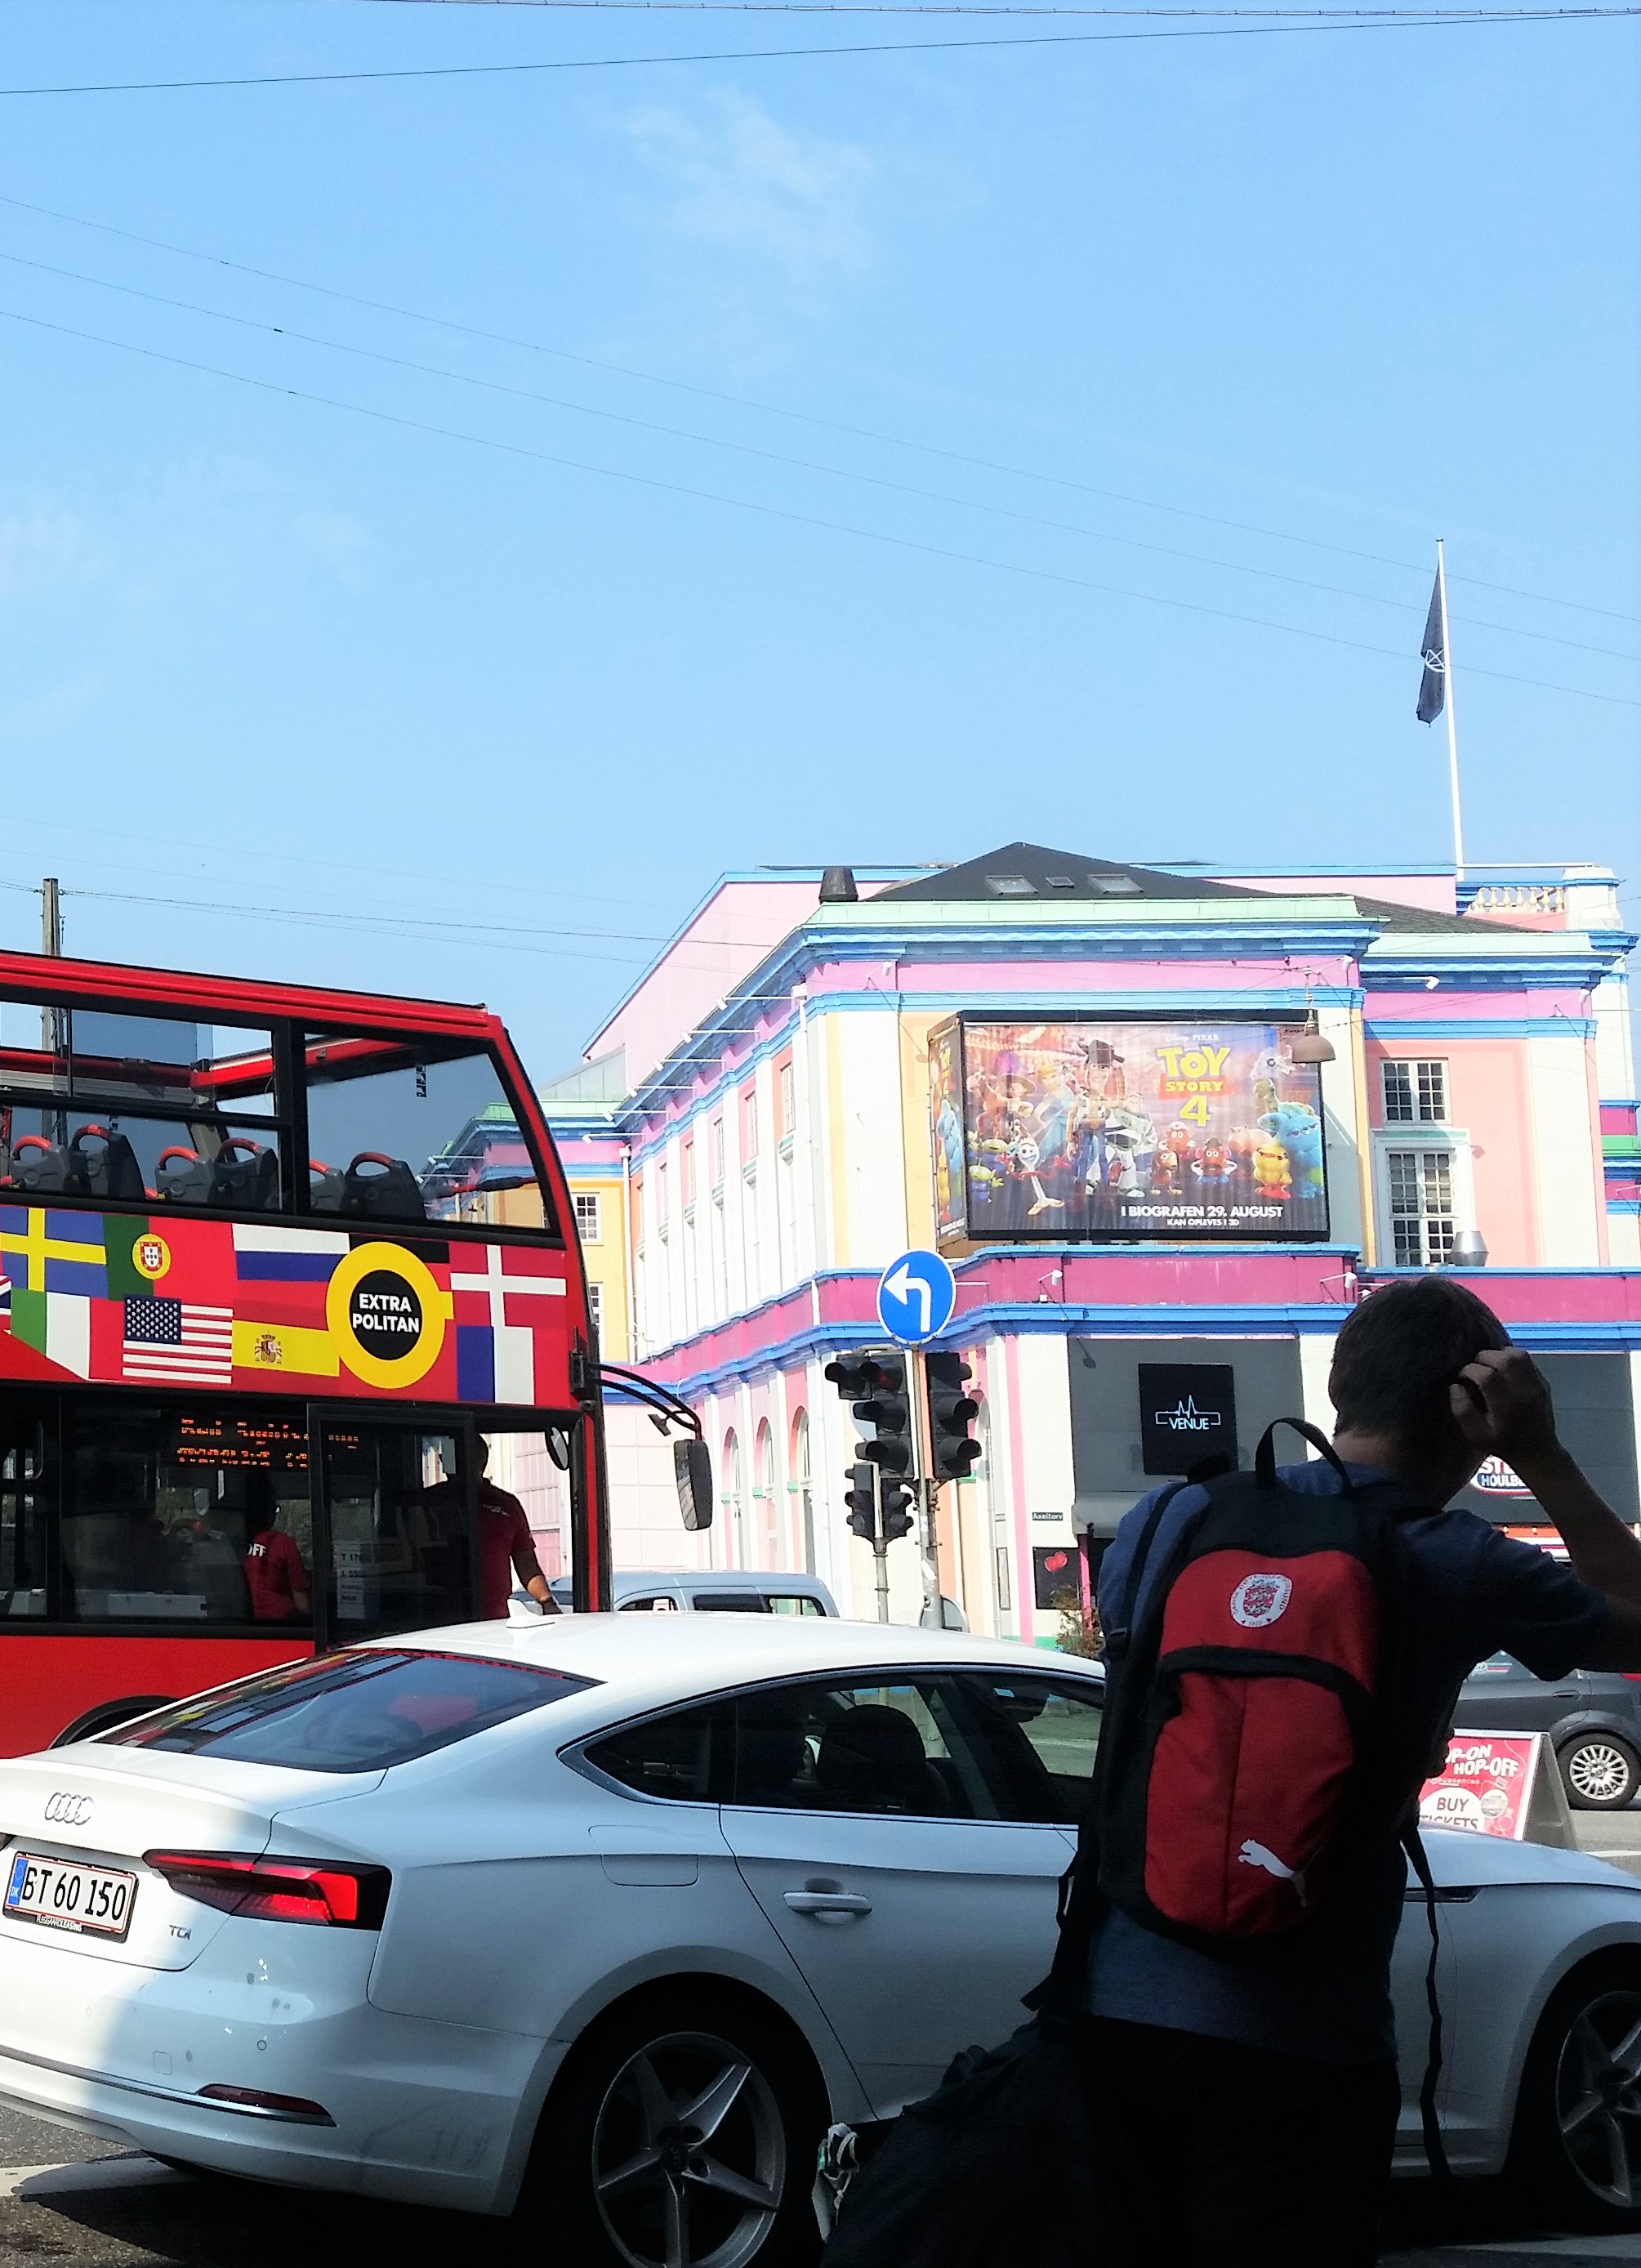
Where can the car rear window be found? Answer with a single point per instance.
(359, 1710)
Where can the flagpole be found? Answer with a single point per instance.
(1453, 726)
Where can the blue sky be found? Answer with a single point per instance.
(1351, 289)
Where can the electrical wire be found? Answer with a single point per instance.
(769, 511)
(776, 457)
(828, 425)
(1437, 21)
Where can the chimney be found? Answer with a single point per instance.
(838, 887)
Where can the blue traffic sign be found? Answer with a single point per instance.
(917, 1296)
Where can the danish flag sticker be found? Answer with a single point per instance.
(1260, 1599)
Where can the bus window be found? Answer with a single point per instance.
(398, 1136)
(136, 1110)
(24, 1507)
(185, 1513)
(400, 1540)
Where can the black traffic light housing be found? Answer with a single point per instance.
(875, 1388)
(952, 1411)
(861, 1499)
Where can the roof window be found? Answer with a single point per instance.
(1011, 886)
(1114, 885)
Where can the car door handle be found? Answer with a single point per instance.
(828, 1905)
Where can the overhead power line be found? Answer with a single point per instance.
(1436, 20)
(765, 511)
(774, 409)
(772, 456)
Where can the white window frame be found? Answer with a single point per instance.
(1414, 1065)
(1455, 1145)
(593, 1200)
(596, 1305)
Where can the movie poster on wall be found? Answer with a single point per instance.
(946, 1118)
(1129, 1131)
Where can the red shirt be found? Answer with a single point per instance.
(274, 1573)
(504, 1543)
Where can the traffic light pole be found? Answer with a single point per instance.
(924, 1484)
(879, 1549)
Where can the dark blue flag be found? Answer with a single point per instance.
(1434, 684)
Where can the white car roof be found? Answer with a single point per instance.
(651, 1659)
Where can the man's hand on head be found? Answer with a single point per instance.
(1501, 1406)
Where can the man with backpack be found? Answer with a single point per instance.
(1284, 1653)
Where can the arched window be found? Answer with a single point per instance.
(769, 1520)
(734, 1503)
(801, 1492)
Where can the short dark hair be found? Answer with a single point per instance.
(1401, 1350)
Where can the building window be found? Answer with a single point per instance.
(1422, 1224)
(749, 1124)
(715, 1146)
(786, 1100)
(587, 1226)
(686, 1172)
(1416, 1093)
(596, 1305)
(803, 1489)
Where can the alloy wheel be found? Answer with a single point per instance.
(1598, 2097)
(1598, 1771)
(688, 2155)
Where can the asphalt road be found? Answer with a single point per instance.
(67, 2197)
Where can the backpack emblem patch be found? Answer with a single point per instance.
(1260, 1599)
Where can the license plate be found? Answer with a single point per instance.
(59, 1894)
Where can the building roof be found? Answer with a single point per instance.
(1023, 871)
(1029, 870)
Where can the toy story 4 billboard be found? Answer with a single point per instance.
(1128, 1131)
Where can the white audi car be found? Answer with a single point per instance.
(620, 1911)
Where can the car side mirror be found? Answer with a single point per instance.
(692, 1468)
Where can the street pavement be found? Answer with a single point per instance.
(68, 2197)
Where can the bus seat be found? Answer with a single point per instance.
(182, 1177)
(249, 1183)
(391, 1193)
(325, 1184)
(110, 1172)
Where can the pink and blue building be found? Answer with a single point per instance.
(1167, 1128)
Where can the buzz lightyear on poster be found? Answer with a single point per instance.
(1128, 1131)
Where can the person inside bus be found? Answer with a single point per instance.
(275, 1573)
(506, 1546)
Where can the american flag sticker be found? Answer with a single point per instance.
(171, 1340)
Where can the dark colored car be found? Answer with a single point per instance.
(1593, 1718)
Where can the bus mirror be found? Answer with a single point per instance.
(502, 1177)
(692, 1468)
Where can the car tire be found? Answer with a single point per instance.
(626, 2178)
(1577, 2144)
(1599, 1771)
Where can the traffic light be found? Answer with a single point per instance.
(898, 1517)
(874, 1387)
(887, 1409)
(862, 1500)
(952, 1411)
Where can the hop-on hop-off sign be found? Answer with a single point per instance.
(917, 1297)
(1503, 1784)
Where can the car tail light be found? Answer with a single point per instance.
(320, 1890)
(294, 2106)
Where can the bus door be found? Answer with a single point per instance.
(394, 1521)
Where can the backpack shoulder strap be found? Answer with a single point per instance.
(1118, 1638)
(1434, 2149)
(1265, 1455)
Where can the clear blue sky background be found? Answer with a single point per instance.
(1357, 288)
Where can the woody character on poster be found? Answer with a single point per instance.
(1125, 1130)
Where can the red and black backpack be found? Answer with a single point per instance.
(1257, 1738)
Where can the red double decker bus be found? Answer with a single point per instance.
(272, 1261)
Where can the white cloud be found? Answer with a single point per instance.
(741, 179)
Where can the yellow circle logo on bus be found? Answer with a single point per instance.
(387, 1315)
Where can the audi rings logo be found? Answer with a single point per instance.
(66, 1810)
